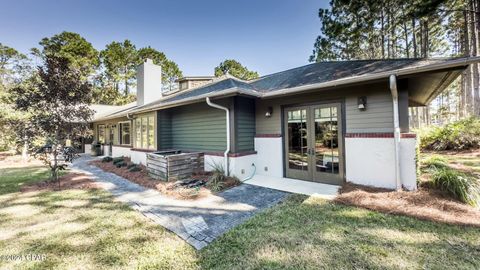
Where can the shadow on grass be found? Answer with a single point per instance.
(12, 179)
(93, 232)
(312, 233)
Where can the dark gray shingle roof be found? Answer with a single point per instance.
(225, 84)
(333, 70)
(309, 75)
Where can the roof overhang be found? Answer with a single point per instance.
(424, 84)
(447, 67)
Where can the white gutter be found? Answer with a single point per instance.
(227, 116)
(396, 131)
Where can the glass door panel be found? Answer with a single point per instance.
(297, 143)
(327, 143)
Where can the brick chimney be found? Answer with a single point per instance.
(149, 82)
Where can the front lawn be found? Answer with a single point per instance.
(85, 228)
(12, 179)
(81, 229)
(311, 233)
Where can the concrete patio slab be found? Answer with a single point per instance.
(295, 186)
(198, 222)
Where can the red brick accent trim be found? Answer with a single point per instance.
(143, 150)
(240, 154)
(268, 135)
(379, 135)
(408, 135)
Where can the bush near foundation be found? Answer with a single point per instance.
(117, 160)
(459, 135)
(457, 184)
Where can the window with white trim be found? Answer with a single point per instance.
(125, 133)
(101, 133)
(145, 132)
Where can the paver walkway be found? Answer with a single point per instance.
(198, 222)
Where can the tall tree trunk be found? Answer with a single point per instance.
(462, 101)
(475, 48)
(468, 71)
(126, 81)
(414, 40)
(405, 31)
(382, 31)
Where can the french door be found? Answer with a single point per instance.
(314, 143)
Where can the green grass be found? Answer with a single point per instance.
(470, 163)
(12, 179)
(313, 233)
(87, 229)
(455, 174)
(83, 229)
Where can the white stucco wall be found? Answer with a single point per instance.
(121, 151)
(371, 162)
(138, 157)
(88, 148)
(269, 156)
(240, 167)
(408, 164)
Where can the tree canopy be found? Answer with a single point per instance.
(80, 53)
(120, 60)
(235, 69)
(57, 100)
(368, 29)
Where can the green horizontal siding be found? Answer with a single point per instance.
(164, 130)
(245, 124)
(197, 127)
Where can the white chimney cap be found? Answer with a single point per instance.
(148, 60)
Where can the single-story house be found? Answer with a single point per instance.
(327, 122)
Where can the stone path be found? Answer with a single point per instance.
(198, 222)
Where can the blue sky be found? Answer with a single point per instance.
(265, 35)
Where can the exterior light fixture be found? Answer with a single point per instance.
(269, 112)
(362, 103)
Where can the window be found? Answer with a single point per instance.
(125, 133)
(111, 134)
(145, 132)
(151, 128)
(101, 133)
(138, 133)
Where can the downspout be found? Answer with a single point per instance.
(396, 131)
(227, 113)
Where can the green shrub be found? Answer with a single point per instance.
(117, 160)
(217, 179)
(120, 164)
(435, 162)
(457, 184)
(460, 135)
(107, 159)
(134, 169)
(131, 165)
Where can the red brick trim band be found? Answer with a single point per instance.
(379, 135)
(239, 154)
(268, 135)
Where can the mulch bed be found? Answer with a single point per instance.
(142, 178)
(69, 181)
(423, 204)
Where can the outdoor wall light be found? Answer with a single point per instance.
(362, 103)
(269, 112)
